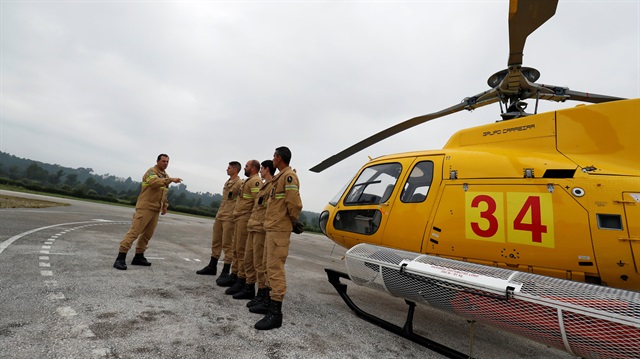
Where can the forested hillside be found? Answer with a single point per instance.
(84, 183)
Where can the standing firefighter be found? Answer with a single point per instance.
(223, 227)
(152, 201)
(241, 214)
(281, 218)
(254, 254)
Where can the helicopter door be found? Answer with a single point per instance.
(412, 206)
(362, 213)
(632, 212)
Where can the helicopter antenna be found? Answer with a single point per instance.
(510, 86)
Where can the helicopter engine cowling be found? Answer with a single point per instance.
(586, 320)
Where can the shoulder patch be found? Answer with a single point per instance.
(289, 179)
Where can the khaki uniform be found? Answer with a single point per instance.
(151, 200)
(254, 257)
(241, 214)
(223, 226)
(283, 208)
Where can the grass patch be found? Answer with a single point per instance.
(20, 202)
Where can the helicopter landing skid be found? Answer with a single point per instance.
(406, 331)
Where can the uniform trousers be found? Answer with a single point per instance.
(223, 233)
(254, 265)
(239, 246)
(277, 249)
(143, 225)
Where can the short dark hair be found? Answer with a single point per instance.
(284, 153)
(236, 165)
(162, 155)
(268, 164)
(255, 164)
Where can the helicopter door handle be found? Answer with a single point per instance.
(629, 239)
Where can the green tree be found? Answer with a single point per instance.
(37, 173)
(90, 182)
(55, 178)
(71, 179)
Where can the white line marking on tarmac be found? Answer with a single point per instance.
(55, 296)
(66, 311)
(46, 273)
(43, 258)
(102, 352)
(82, 331)
(8, 242)
(43, 264)
(44, 252)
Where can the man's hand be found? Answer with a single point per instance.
(176, 180)
(298, 227)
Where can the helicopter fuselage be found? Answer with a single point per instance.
(557, 194)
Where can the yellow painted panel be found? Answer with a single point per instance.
(530, 219)
(484, 216)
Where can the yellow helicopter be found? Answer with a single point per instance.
(554, 193)
(554, 196)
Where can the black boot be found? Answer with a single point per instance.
(140, 260)
(247, 292)
(211, 268)
(273, 319)
(224, 276)
(263, 306)
(236, 287)
(262, 293)
(120, 262)
(227, 280)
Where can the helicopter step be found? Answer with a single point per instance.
(405, 331)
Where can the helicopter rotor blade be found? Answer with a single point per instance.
(561, 94)
(525, 16)
(469, 103)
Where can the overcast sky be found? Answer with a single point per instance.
(111, 84)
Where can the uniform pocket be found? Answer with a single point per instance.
(281, 241)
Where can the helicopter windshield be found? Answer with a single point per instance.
(374, 185)
(336, 198)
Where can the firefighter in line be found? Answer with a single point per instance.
(281, 218)
(254, 254)
(241, 213)
(223, 227)
(152, 201)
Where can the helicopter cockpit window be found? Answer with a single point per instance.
(416, 188)
(336, 198)
(374, 185)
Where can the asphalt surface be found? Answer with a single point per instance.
(61, 298)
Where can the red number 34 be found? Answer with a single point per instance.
(531, 210)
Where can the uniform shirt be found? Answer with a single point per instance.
(155, 187)
(284, 205)
(230, 192)
(249, 192)
(256, 221)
